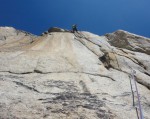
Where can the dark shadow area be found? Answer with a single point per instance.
(106, 61)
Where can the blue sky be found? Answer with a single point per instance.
(96, 16)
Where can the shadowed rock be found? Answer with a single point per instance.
(124, 39)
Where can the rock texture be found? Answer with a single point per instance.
(55, 29)
(124, 39)
(61, 75)
(10, 37)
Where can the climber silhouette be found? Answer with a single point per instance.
(74, 28)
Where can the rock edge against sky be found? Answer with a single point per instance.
(72, 76)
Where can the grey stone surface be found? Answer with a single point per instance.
(55, 29)
(70, 76)
(124, 39)
(10, 37)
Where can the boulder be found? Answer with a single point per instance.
(55, 29)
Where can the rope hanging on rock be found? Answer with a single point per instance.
(133, 84)
(134, 89)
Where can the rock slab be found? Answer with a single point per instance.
(61, 75)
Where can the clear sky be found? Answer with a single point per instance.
(96, 16)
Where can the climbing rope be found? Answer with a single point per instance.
(134, 89)
(135, 93)
(133, 83)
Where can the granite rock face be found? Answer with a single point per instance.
(61, 75)
(10, 37)
(124, 39)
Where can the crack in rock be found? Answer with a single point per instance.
(40, 72)
(26, 86)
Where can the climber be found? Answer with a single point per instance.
(74, 28)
